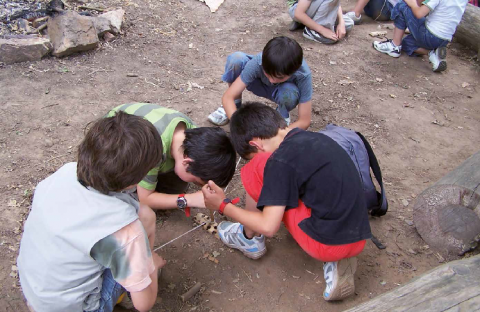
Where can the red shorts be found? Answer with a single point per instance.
(252, 179)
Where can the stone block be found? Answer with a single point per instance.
(70, 32)
(114, 19)
(24, 49)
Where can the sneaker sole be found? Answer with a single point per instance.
(218, 124)
(346, 280)
(441, 67)
(395, 55)
(252, 255)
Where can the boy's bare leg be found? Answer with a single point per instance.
(398, 35)
(250, 205)
(359, 6)
(149, 220)
(422, 51)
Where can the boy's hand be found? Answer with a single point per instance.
(327, 33)
(341, 31)
(158, 261)
(213, 195)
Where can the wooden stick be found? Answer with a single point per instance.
(91, 8)
(191, 292)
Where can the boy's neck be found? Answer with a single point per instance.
(273, 143)
(176, 149)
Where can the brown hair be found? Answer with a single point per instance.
(117, 152)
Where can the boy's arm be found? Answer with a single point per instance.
(266, 222)
(302, 17)
(145, 299)
(304, 116)
(418, 11)
(233, 92)
(157, 200)
(341, 30)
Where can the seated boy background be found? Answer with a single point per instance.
(190, 154)
(378, 10)
(279, 74)
(86, 239)
(428, 35)
(309, 182)
(323, 19)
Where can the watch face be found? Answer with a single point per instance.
(181, 202)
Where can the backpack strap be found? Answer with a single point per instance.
(383, 207)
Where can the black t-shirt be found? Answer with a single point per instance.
(312, 167)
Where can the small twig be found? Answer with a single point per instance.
(84, 7)
(41, 27)
(249, 277)
(100, 70)
(59, 156)
(146, 81)
(49, 106)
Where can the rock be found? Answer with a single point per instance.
(409, 222)
(108, 37)
(28, 48)
(405, 202)
(71, 33)
(24, 26)
(109, 22)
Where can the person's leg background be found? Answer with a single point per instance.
(378, 10)
(419, 36)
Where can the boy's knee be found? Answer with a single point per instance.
(237, 59)
(288, 96)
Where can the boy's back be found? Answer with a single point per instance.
(444, 16)
(315, 169)
(63, 273)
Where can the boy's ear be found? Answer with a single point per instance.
(258, 144)
(186, 161)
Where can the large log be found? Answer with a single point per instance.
(454, 286)
(468, 31)
(447, 215)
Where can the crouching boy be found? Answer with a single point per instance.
(304, 179)
(86, 240)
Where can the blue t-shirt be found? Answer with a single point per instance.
(302, 78)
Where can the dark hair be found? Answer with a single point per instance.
(282, 56)
(117, 152)
(212, 153)
(254, 120)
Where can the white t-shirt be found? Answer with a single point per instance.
(444, 16)
(393, 2)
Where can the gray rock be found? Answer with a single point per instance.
(111, 21)
(70, 32)
(28, 48)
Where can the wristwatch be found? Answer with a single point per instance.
(182, 204)
(225, 202)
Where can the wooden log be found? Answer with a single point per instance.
(191, 292)
(447, 215)
(468, 31)
(454, 286)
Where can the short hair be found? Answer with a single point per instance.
(212, 153)
(117, 152)
(254, 120)
(282, 56)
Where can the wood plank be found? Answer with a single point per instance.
(454, 286)
(468, 31)
(467, 174)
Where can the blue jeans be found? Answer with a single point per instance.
(111, 291)
(420, 36)
(286, 95)
(379, 10)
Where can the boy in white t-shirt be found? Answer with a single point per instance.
(429, 35)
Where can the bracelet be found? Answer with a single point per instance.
(225, 202)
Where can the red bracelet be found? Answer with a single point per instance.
(225, 202)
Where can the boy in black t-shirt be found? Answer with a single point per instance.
(304, 179)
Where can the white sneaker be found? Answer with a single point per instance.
(339, 279)
(437, 58)
(287, 120)
(356, 19)
(218, 117)
(388, 47)
(231, 235)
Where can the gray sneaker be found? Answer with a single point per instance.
(437, 58)
(356, 20)
(231, 235)
(339, 279)
(218, 117)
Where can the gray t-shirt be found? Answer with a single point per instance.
(302, 78)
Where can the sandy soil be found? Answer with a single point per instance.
(421, 124)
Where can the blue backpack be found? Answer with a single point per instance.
(361, 153)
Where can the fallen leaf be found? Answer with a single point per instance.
(379, 79)
(465, 84)
(215, 254)
(393, 96)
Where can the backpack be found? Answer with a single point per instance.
(361, 153)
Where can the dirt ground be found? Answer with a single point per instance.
(421, 125)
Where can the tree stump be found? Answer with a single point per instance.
(447, 215)
(468, 31)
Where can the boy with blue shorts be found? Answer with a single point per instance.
(279, 74)
(378, 10)
(429, 34)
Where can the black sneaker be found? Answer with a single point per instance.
(312, 35)
(295, 26)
